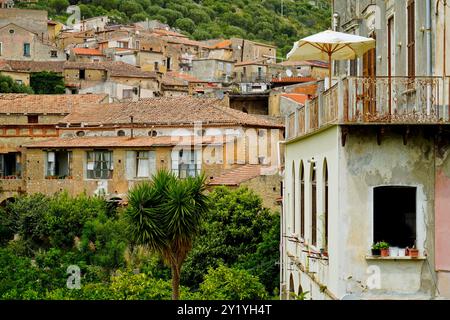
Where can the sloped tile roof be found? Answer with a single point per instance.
(87, 52)
(115, 68)
(168, 111)
(32, 66)
(122, 142)
(236, 176)
(46, 104)
(297, 97)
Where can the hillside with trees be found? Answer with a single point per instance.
(262, 20)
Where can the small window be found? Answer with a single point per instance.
(121, 133)
(395, 215)
(59, 164)
(80, 133)
(19, 82)
(152, 133)
(142, 164)
(11, 31)
(26, 50)
(10, 166)
(127, 93)
(99, 164)
(82, 74)
(33, 119)
(138, 44)
(54, 54)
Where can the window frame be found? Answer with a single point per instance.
(107, 164)
(25, 53)
(52, 172)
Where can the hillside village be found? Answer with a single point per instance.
(353, 152)
(147, 64)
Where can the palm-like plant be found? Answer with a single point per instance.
(165, 215)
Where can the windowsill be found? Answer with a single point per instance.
(407, 258)
(11, 178)
(58, 178)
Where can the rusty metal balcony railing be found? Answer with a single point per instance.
(375, 100)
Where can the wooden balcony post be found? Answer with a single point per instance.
(341, 94)
(321, 108)
(307, 117)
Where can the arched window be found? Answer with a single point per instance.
(313, 204)
(302, 200)
(293, 213)
(325, 193)
(291, 288)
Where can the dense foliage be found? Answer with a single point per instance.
(234, 256)
(47, 83)
(265, 20)
(8, 85)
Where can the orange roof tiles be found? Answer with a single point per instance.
(46, 104)
(223, 44)
(237, 176)
(123, 142)
(116, 68)
(87, 52)
(299, 98)
(32, 66)
(293, 80)
(167, 111)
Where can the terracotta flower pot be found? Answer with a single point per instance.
(384, 252)
(413, 253)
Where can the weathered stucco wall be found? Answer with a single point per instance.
(364, 165)
(321, 146)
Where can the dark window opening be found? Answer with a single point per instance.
(82, 74)
(395, 216)
(26, 50)
(59, 164)
(121, 133)
(33, 119)
(313, 205)
(10, 166)
(411, 38)
(302, 202)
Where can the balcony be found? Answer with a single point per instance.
(253, 77)
(377, 100)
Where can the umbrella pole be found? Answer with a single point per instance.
(329, 70)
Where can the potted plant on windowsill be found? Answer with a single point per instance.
(412, 252)
(384, 248)
(376, 249)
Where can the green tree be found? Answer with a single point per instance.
(165, 215)
(185, 24)
(59, 5)
(232, 233)
(46, 82)
(8, 85)
(224, 283)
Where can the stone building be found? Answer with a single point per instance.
(121, 81)
(27, 118)
(106, 149)
(367, 161)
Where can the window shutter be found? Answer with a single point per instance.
(152, 162)
(131, 165)
(411, 39)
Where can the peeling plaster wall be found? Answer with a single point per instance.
(364, 165)
(321, 146)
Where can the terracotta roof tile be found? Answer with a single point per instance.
(167, 111)
(32, 66)
(223, 44)
(46, 104)
(87, 52)
(115, 68)
(122, 142)
(293, 80)
(236, 176)
(297, 97)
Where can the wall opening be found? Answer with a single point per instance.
(326, 203)
(313, 204)
(302, 200)
(395, 215)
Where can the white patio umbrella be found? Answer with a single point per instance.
(330, 45)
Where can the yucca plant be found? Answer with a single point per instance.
(165, 216)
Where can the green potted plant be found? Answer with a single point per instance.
(376, 249)
(384, 248)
